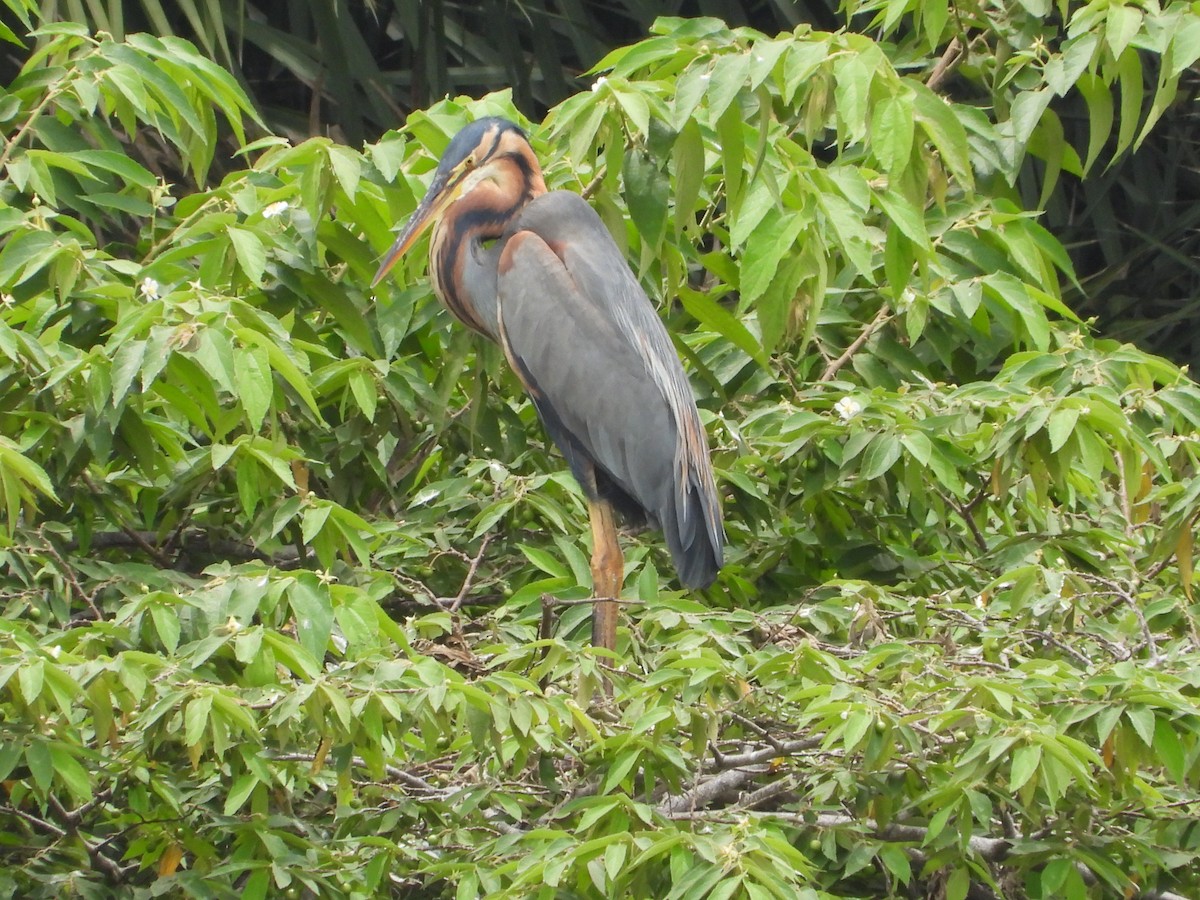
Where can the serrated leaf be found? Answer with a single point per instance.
(255, 384)
(1062, 425)
(646, 192)
(881, 454)
(313, 611)
(1142, 720)
(727, 80)
(1121, 26)
(347, 167)
(892, 132)
(775, 236)
(1024, 763)
(195, 718)
(314, 520)
(687, 158)
(166, 623)
(716, 318)
(31, 677)
(240, 792)
(250, 252)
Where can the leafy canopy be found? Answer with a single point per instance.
(277, 552)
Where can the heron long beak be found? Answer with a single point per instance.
(441, 194)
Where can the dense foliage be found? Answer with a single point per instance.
(294, 588)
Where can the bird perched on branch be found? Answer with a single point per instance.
(538, 273)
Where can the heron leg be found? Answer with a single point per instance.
(607, 573)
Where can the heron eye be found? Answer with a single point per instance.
(470, 162)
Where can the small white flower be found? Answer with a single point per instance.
(54, 650)
(907, 296)
(847, 408)
(279, 207)
(7, 299)
(598, 83)
(149, 288)
(980, 602)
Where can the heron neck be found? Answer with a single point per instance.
(467, 242)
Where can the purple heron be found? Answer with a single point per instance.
(538, 273)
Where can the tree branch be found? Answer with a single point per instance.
(881, 318)
(191, 543)
(471, 570)
(711, 789)
(954, 54)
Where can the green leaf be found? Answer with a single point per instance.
(705, 310)
(728, 79)
(314, 520)
(892, 133)
(283, 364)
(250, 252)
(775, 236)
(166, 623)
(1170, 749)
(1062, 425)
(1142, 720)
(895, 860)
(881, 454)
(347, 168)
(1099, 101)
(943, 128)
(687, 156)
(852, 77)
(240, 792)
(646, 190)
(1129, 73)
(313, 611)
(906, 217)
(195, 718)
(1025, 762)
(362, 386)
(255, 384)
(71, 773)
(1122, 25)
(30, 678)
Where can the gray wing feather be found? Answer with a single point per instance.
(602, 370)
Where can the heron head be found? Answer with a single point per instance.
(468, 161)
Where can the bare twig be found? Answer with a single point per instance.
(136, 536)
(40, 824)
(1123, 494)
(593, 185)
(1047, 638)
(964, 513)
(471, 570)
(393, 772)
(954, 54)
(881, 318)
(34, 114)
(190, 543)
(69, 575)
(1127, 597)
(767, 792)
(721, 785)
(754, 757)
(70, 820)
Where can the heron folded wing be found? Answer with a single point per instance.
(601, 369)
